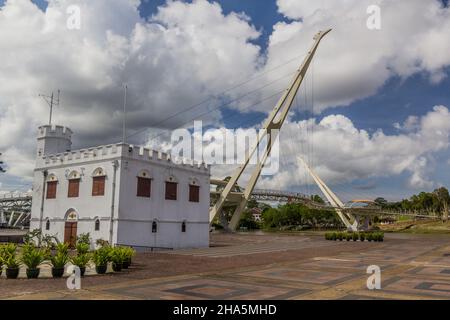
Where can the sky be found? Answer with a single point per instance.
(375, 121)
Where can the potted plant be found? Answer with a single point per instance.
(101, 257)
(362, 236)
(340, 236)
(32, 258)
(82, 248)
(10, 261)
(370, 237)
(59, 260)
(348, 236)
(117, 257)
(334, 236)
(129, 253)
(355, 236)
(81, 261)
(2, 258)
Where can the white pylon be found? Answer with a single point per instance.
(332, 199)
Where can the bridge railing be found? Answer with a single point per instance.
(15, 195)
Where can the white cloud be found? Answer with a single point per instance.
(189, 52)
(184, 54)
(354, 62)
(342, 153)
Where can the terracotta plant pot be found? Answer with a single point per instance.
(12, 273)
(33, 273)
(101, 269)
(57, 272)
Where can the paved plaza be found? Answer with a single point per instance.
(271, 267)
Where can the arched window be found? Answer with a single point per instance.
(183, 226)
(171, 188)
(47, 224)
(52, 183)
(154, 227)
(74, 184)
(98, 182)
(144, 184)
(97, 224)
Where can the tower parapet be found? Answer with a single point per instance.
(53, 140)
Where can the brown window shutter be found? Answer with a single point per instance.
(194, 193)
(171, 191)
(144, 187)
(98, 186)
(51, 189)
(74, 188)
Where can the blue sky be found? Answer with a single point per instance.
(396, 100)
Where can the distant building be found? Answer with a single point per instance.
(256, 214)
(119, 193)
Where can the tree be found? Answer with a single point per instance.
(443, 198)
(382, 202)
(317, 198)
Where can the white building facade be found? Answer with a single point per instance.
(119, 193)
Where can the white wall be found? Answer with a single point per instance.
(133, 216)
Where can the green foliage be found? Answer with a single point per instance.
(334, 236)
(299, 216)
(340, 236)
(248, 222)
(61, 257)
(82, 248)
(362, 236)
(42, 240)
(102, 256)
(81, 260)
(348, 236)
(84, 238)
(118, 255)
(370, 236)
(8, 253)
(32, 257)
(355, 236)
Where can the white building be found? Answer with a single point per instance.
(119, 193)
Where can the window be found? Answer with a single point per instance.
(98, 186)
(144, 187)
(51, 189)
(47, 225)
(97, 224)
(154, 227)
(171, 190)
(74, 188)
(194, 193)
(183, 226)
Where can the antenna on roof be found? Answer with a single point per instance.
(51, 101)
(124, 128)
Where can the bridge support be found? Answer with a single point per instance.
(270, 130)
(333, 200)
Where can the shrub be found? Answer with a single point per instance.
(334, 236)
(9, 256)
(370, 236)
(84, 238)
(348, 236)
(81, 260)
(101, 256)
(328, 236)
(32, 257)
(355, 236)
(340, 236)
(118, 255)
(362, 236)
(82, 248)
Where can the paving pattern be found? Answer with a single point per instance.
(416, 268)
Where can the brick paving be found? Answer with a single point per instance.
(268, 266)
